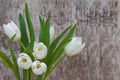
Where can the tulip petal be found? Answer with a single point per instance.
(74, 47)
(11, 29)
(40, 50)
(52, 33)
(24, 61)
(38, 67)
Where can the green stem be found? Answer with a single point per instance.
(30, 74)
(27, 72)
(39, 77)
(49, 71)
(25, 75)
(24, 78)
(22, 45)
(15, 65)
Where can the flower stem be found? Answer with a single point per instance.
(52, 68)
(39, 77)
(24, 78)
(22, 45)
(30, 74)
(27, 72)
(15, 66)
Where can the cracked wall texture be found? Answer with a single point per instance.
(98, 23)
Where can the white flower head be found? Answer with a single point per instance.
(74, 47)
(11, 29)
(40, 50)
(38, 67)
(52, 33)
(24, 61)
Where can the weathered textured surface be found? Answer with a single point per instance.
(98, 23)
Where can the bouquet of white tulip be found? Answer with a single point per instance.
(38, 58)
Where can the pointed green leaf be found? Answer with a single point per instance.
(71, 32)
(7, 65)
(29, 49)
(58, 51)
(5, 58)
(41, 21)
(56, 41)
(54, 58)
(45, 32)
(24, 38)
(29, 22)
(41, 32)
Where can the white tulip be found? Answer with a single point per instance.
(24, 61)
(74, 47)
(40, 50)
(38, 67)
(11, 29)
(52, 33)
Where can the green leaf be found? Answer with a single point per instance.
(71, 32)
(58, 51)
(41, 21)
(4, 63)
(41, 32)
(29, 22)
(15, 65)
(29, 49)
(24, 38)
(5, 58)
(44, 35)
(30, 46)
(56, 41)
(55, 56)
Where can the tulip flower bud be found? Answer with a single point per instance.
(40, 50)
(38, 67)
(11, 29)
(24, 61)
(52, 33)
(74, 47)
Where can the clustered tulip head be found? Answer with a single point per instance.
(40, 52)
(24, 61)
(39, 56)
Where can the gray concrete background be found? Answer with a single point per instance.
(98, 24)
